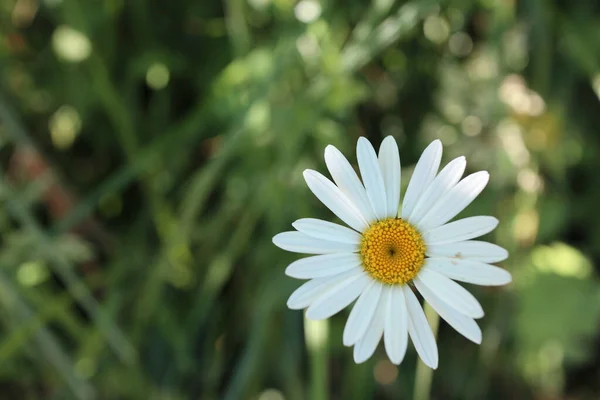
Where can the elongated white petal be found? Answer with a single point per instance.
(323, 265)
(298, 242)
(366, 346)
(344, 176)
(474, 272)
(423, 175)
(333, 198)
(306, 294)
(338, 297)
(462, 324)
(395, 334)
(455, 200)
(472, 250)
(446, 179)
(419, 330)
(362, 314)
(451, 293)
(372, 177)
(389, 163)
(458, 231)
(320, 229)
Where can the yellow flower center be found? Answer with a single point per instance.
(392, 251)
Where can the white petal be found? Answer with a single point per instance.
(320, 229)
(423, 175)
(338, 297)
(322, 266)
(389, 163)
(395, 334)
(298, 242)
(419, 330)
(311, 290)
(362, 314)
(344, 176)
(462, 324)
(470, 271)
(446, 179)
(333, 198)
(472, 250)
(372, 177)
(458, 231)
(366, 346)
(451, 293)
(455, 200)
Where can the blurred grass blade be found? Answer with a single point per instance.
(115, 338)
(46, 343)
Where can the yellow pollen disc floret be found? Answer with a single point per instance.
(392, 251)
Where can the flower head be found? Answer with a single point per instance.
(390, 249)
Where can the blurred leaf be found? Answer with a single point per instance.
(546, 314)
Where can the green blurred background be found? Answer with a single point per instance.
(150, 150)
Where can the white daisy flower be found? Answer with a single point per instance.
(388, 250)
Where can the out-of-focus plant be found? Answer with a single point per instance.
(150, 150)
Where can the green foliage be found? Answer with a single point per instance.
(150, 150)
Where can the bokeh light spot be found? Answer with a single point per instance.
(64, 126)
(271, 394)
(460, 44)
(157, 76)
(71, 45)
(32, 273)
(471, 125)
(307, 11)
(436, 29)
(385, 372)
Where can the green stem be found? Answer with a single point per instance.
(424, 375)
(239, 34)
(316, 334)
